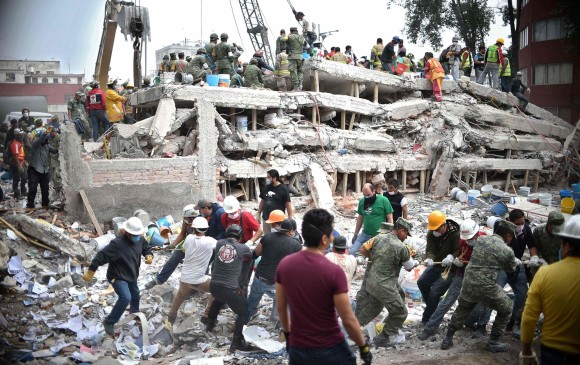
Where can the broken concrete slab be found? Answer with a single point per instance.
(162, 121)
(478, 164)
(319, 188)
(407, 108)
(504, 141)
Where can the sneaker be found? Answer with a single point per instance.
(425, 334)
(383, 341)
(496, 346)
(447, 343)
(109, 328)
(151, 284)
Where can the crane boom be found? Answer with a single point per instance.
(256, 28)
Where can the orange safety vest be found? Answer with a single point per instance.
(434, 70)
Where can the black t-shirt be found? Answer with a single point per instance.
(228, 263)
(519, 243)
(388, 53)
(275, 246)
(395, 201)
(275, 197)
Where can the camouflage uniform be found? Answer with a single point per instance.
(490, 256)
(547, 244)
(281, 43)
(296, 43)
(77, 108)
(223, 60)
(253, 77)
(197, 70)
(54, 144)
(380, 287)
(210, 60)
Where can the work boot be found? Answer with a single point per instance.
(151, 284)
(210, 325)
(383, 340)
(23, 192)
(479, 332)
(516, 331)
(493, 345)
(425, 334)
(239, 344)
(448, 340)
(109, 327)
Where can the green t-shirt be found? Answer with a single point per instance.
(375, 215)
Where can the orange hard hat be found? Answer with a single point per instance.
(500, 40)
(276, 216)
(436, 219)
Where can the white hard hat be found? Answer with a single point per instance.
(189, 211)
(200, 223)
(231, 204)
(571, 228)
(468, 229)
(134, 226)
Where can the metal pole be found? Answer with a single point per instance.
(145, 49)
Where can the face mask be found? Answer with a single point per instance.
(234, 216)
(471, 242)
(274, 229)
(392, 192)
(437, 234)
(519, 229)
(204, 215)
(135, 239)
(268, 181)
(25, 115)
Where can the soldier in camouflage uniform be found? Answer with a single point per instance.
(53, 148)
(380, 288)
(296, 44)
(491, 255)
(198, 65)
(547, 243)
(281, 42)
(76, 110)
(164, 66)
(253, 75)
(213, 38)
(222, 53)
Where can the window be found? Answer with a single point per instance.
(561, 112)
(55, 81)
(45, 80)
(524, 38)
(549, 29)
(552, 74)
(525, 2)
(50, 72)
(524, 72)
(10, 77)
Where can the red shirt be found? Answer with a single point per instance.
(465, 252)
(96, 100)
(249, 224)
(16, 149)
(310, 281)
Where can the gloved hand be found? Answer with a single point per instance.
(428, 262)
(354, 237)
(249, 243)
(535, 261)
(149, 259)
(365, 354)
(88, 276)
(528, 359)
(518, 262)
(458, 262)
(447, 261)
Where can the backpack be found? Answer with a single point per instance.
(79, 126)
(443, 56)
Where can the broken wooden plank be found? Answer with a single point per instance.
(91, 213)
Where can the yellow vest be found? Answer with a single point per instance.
(467, 59)
(492, 56)
(508, 69)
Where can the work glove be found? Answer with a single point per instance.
(535, 261)
(149, 259)
(88, 276)
(447, 261)
(250, 243)
(518, 262)
(428, 262)
(354, 237)
(458, 262)
(528, 359)
(365, 354)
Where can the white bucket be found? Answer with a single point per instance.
(454, 192)
(491, 221)
(545, 199)
(524, 190)
(118, 223)
(224, 80)
(408, 283)
(486, 190)
(143, 217)
(472, 194)
(242, 123)
(102, 241)
(461, 196)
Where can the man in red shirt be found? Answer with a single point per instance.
(18, 164)
(314, 289)
(97, 108)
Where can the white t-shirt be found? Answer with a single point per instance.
(198, 251)
(346, 262)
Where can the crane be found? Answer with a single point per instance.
(256, 28)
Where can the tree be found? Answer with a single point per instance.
(425, 20)
(570, 11)
(511, 13)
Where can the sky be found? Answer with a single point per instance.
(70, 30)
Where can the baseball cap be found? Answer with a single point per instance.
(285, 226)
(202, 203)
(556, 219)
(406, 224)
(386, 227)
(339, 242)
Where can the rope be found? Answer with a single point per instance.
(236, 23)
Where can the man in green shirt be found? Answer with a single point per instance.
(373, 209)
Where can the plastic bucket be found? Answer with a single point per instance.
(575, 195)
(496, 195)
(576, 187)
(143, 217)
(224, 80)
(409, 283)
(472, 194)
(157, 240)
(166, 221)
(565, 193)
(534, 198)
(545, 199)
(118, 223)
(567, 205)
(461, 196)
(212, 80)
(491, 221)
(486, 191)
(152, 229)
(499, 209)
(305, 56)
(524, 191)
(165, 232)
(453, 192)
(102, 241)
(242, 123)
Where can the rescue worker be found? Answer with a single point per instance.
(466, 61)
(388, 55)
(380, 288)
(547, 241)
(479, 62)
(281, 41)
(172, 61)
(199, 66)
(442, 246)
(308, 28)
(164, 66)
(76, 110)
(222, 54)
(39, 167)
(97, 106)
(115, 102)
(237, 51)
(17, 163)
(490, 255)
(454, 53)
(281, 72)
(128, 118)
(253, 75)
(123, 254)
(55, 177)
(434, 71)
(351, 57)
(296, 44)
(398, 201)
(493, 59)
(506, 73)
(25, 120)
(180, 65)
(518, 89)
(339, 56)
(211, 62)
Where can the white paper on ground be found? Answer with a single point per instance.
(15, 265)
(208, 361)
(43, 353)
(259, 337)
(151, 350)
(371, 330)
(59, 346)
(51, 282)
(74, 310)
(11, 234)
(39, 288)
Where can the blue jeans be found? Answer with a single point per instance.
(387, 67)
(432, 287)
(445, 304)
(170, 265)
(259, 288)
(522, 98)
(550, 356)
(362, 238)
(339, 354)
(127, 293)
(97, 116)
(519, 284)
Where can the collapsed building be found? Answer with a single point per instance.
(353, 124)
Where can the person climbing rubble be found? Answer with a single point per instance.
(39, 167)
(272, 248)
(230, 259)
(518, 89)
(373, 209)
(490, 255)
(199, 66)
(442, 247)
(296, 44)
(253, 75)
(198, 250)
(97, 106)
(338, 256)
(313, 331)
(434, 71)
(380, 288)
(17, 164)
(493, 60)
(123, 254)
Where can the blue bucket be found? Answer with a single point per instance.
(157, 240)
(575, 195)
(305, 56)
(565, 193)
(166, 221)
(212, 80)
(499, 209)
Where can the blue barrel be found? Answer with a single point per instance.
(576, 187)
(212, 80)
(565, 194)
(499, 209)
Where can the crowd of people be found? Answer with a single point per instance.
(309, 274)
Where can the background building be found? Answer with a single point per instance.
(551, 72)
(188, 47)
(39, 78)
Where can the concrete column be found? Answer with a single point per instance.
(207, 147)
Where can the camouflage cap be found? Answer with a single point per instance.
(556, 218)
(405, 224)
(506, 224)
(386, 227)
(78, 93)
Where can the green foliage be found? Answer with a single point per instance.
(570, 11)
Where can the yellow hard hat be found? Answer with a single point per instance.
(500, 40)
(130, 86)
(276, 216)
(435, 220)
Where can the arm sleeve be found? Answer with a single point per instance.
(533, 307)
(103, 100)
(340, 283)
(455, 244)
(430, 249)
(530, 241)
(146, 249)
(510, 263)
(388, 207)
(108, 254)
(368, 245)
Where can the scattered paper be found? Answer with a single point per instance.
(261, 338)
(51, 282)
(208, 361)
(15, 265)
(43, 353)
(11, 234)
(59, 346)
(37, 288)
